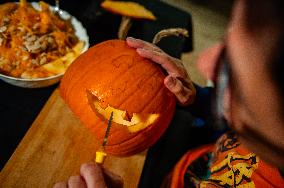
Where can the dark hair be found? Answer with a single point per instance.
(262, 13)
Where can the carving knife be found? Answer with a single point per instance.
(101, 154)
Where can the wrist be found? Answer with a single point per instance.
(192, 94)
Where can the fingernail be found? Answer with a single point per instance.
(171, 81)
(130, 38)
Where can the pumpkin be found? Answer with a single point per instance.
(112, 77)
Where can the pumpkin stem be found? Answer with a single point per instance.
(169, 32)
(124, 27)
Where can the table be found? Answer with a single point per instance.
(20, 106)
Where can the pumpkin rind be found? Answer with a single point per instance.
(120, 78)
(130, 9)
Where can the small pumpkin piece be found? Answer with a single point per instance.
(60, 65)
(55, 67)
(128, 10)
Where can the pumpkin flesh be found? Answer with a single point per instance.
(136, 123)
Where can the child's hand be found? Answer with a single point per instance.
(92, 176)
(178, 80)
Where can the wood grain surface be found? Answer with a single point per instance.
(54, 148)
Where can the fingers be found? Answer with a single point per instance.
(60, 185)
(184, 91)
(178, 80)
(76, 182)
(150, 51)
(171, 65)
(137, 43)
(112, 180)
(93, 176)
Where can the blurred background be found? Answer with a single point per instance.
(209, 20)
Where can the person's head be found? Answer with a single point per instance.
(254, 97)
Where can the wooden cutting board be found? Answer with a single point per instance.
(54, 148)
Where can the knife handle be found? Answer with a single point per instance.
(100, 157)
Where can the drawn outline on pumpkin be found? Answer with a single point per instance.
(137, 122)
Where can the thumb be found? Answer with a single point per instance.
(93, 175)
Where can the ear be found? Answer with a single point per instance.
(208, 60)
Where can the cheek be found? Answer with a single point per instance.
(236, 112)
(236, 116)
(208, 59)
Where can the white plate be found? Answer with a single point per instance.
(80, 32)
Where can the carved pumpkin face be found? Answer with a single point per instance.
(112, 77)
(134, 123)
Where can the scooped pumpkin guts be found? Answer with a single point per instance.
(111, 76)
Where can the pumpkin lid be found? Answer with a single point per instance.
(130, 9)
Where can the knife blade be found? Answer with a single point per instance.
(101, 154)
(107, 130)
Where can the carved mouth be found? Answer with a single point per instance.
(133, 121)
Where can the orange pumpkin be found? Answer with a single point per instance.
(112, 77)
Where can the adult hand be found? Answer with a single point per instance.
(92, 176)
(177, 80)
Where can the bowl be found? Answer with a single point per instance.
(80, 32)
(31, 83)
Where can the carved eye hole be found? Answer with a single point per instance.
(134, 121)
